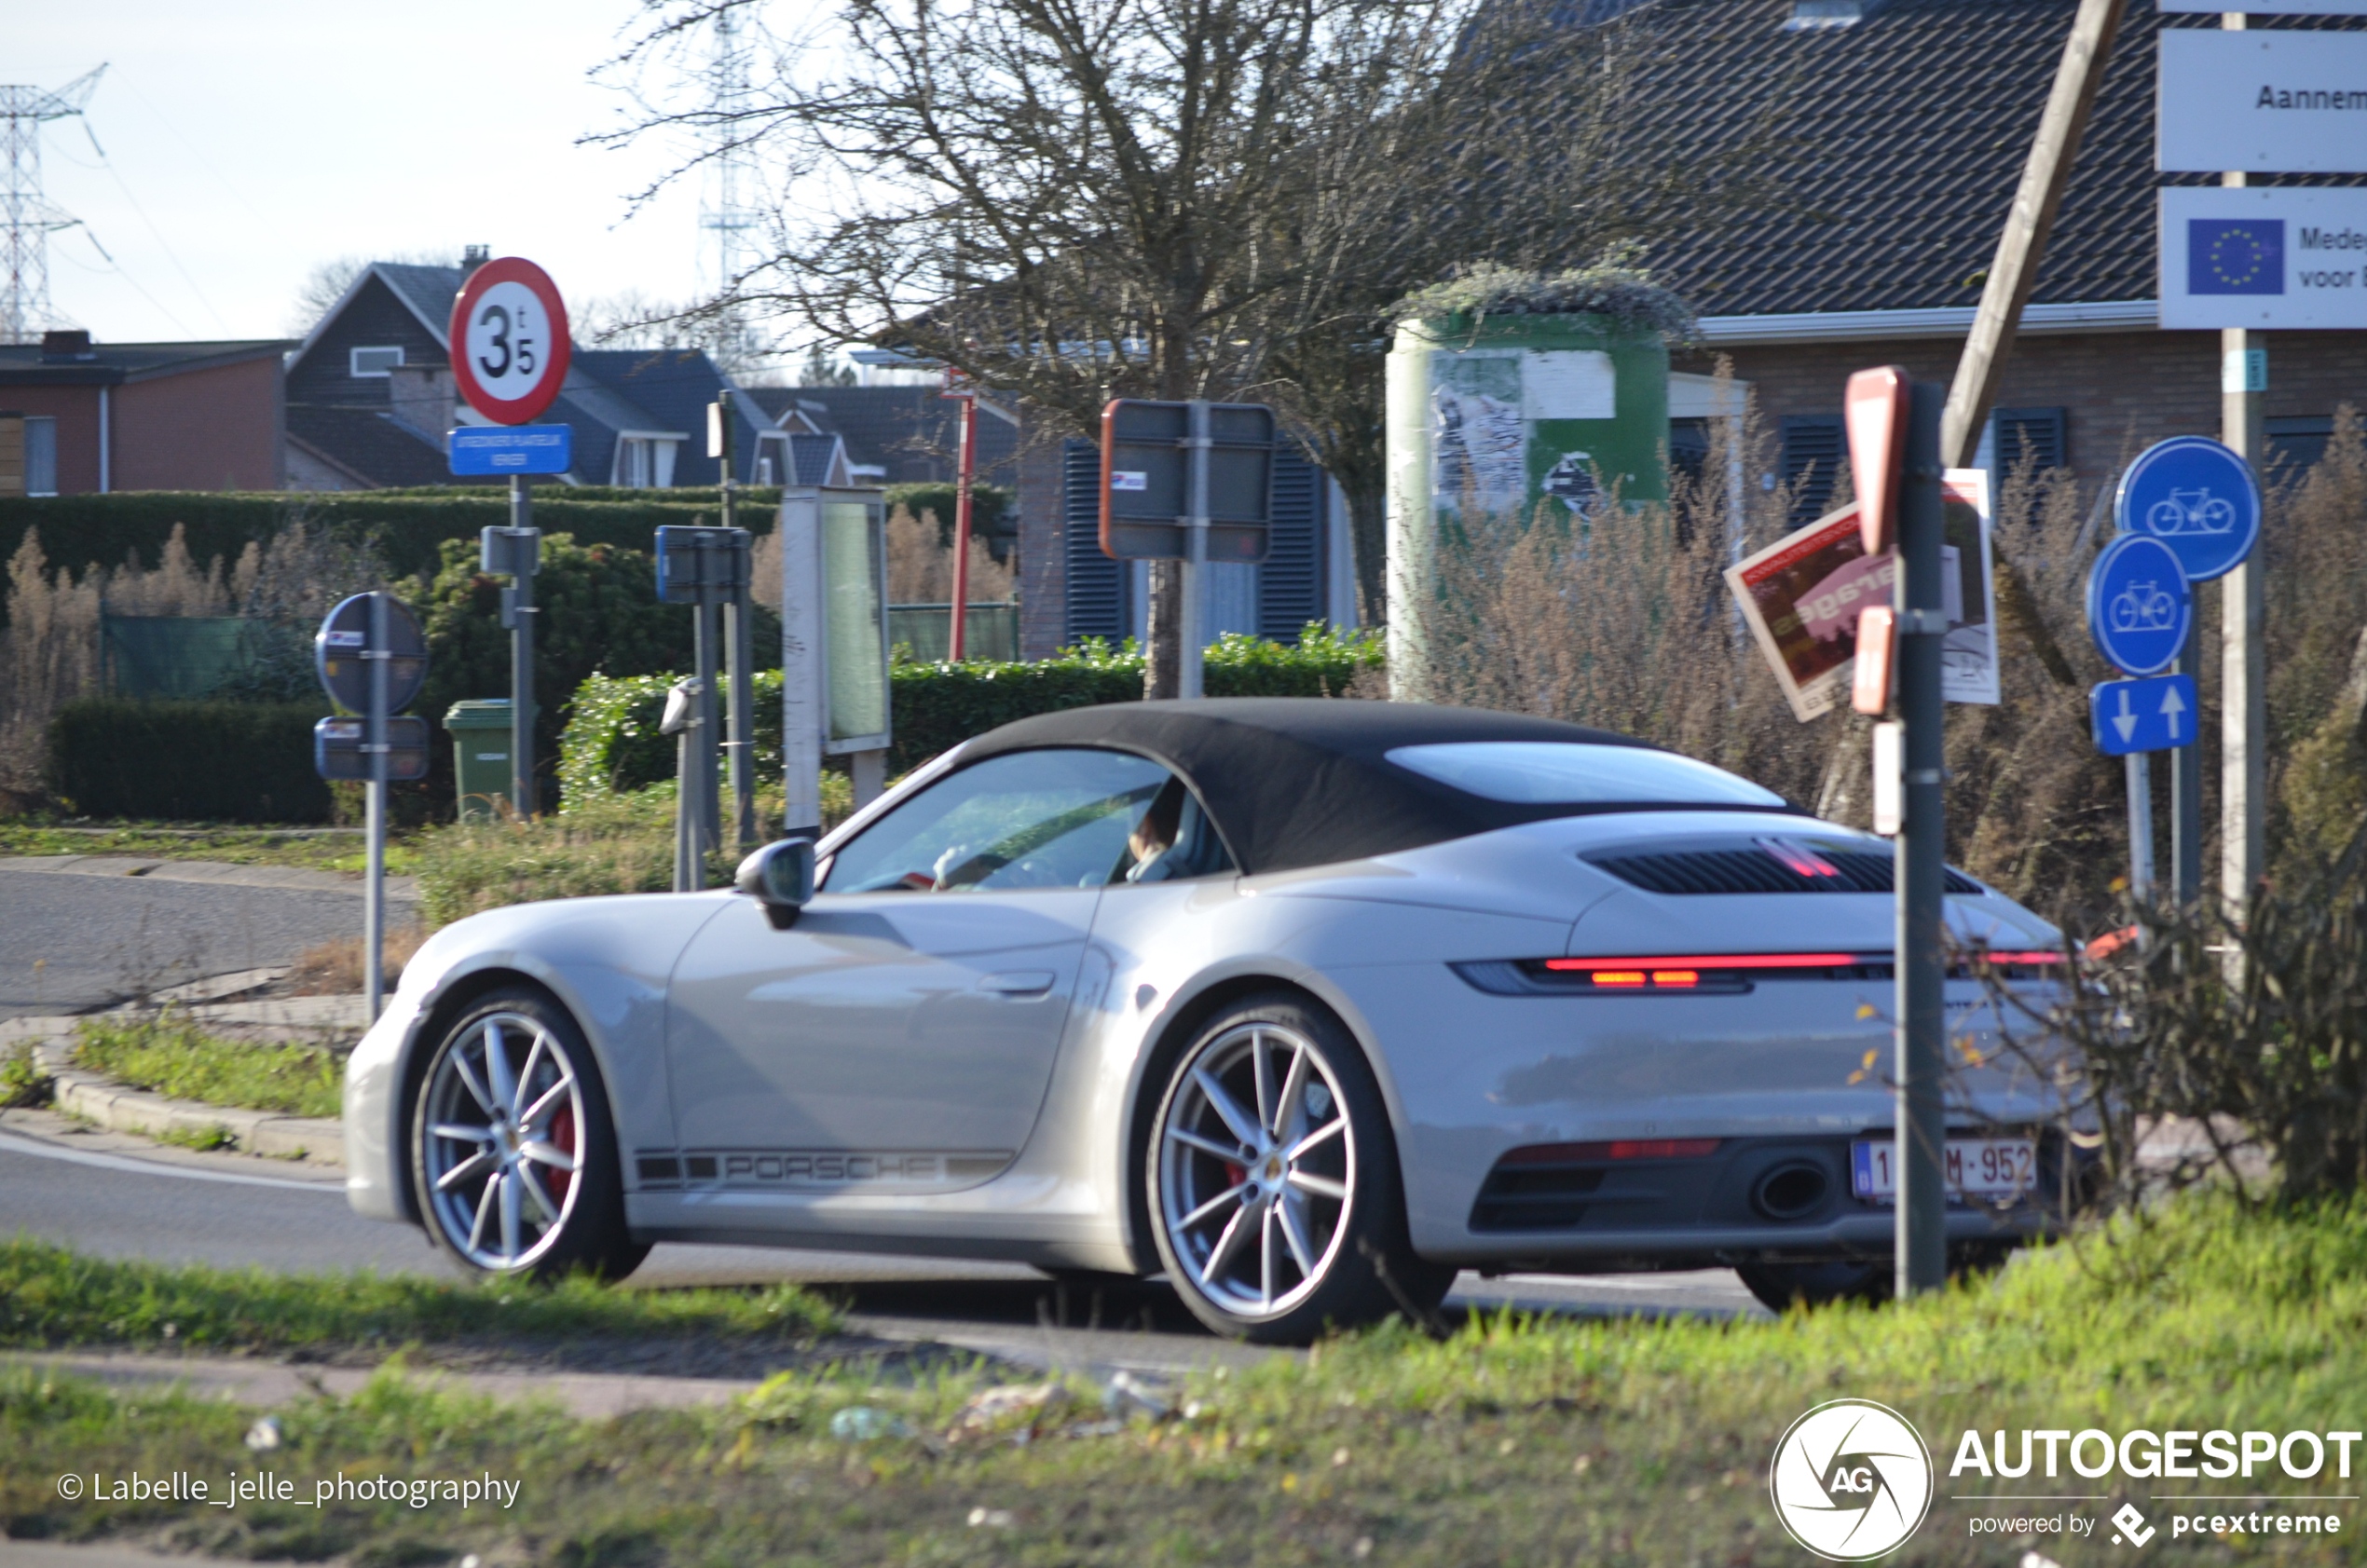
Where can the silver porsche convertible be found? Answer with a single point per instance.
(1306, 1004)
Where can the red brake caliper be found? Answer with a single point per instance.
(563, 1139)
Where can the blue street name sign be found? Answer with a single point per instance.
(2196, 497)
(2139, 608)
(2153, 714)
(482, 449)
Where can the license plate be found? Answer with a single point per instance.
(1975, 1167)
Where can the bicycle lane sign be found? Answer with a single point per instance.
(2198, 497)
(2140, 606)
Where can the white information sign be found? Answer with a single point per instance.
(2264, 257)
(2274, 7)
(2267, 103)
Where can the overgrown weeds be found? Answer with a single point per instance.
(23, 1083)
(168, 1052)
(619, 843)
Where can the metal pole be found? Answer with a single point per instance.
(2140, 823)
(740, 634)
(2186, 801)
(1189, 661)
(1922, 1245)
(373, 901)
(526, 551)
(2243, 770)
(959, 644)
(705, 810)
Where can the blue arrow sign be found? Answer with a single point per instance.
(2196, 497)
(482, 449)
(2138, 606)
(2142, 715)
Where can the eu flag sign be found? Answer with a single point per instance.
(2236, 256)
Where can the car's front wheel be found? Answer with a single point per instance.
(513, 1154)
(1275, 1198)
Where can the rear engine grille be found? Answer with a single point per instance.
(1760, 870)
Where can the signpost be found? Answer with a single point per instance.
(1191, 482)
(2198, 499)
(372, 660)
(2263, 256)
(2139, 608)
(2140, 612)
(2131, 717)
(509, 352)
(707, 568)
(740, 741)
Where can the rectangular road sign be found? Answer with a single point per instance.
(2264, 257)
(2268, 103)
(2155, 715)
(1147, 467)
(337, 753)
(490, 449)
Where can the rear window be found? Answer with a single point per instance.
(1560, 773)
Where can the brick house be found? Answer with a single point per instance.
(1898, 131)
(101, 417)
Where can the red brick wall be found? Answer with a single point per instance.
(76, 412)
(2124, 391)
(201, 430)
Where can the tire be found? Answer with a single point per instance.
(1782, 1286)
(1275, 1202)
(513, 1154)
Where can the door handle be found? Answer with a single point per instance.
(1019, 984)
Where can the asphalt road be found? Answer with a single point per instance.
(100, 939)
(117, 1197)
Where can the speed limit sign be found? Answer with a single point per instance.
(508, 340)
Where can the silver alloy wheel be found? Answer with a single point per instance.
(1257, 1169)
(502, 1141)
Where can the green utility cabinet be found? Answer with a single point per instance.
(481, 756)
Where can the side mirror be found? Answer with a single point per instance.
(780, 877)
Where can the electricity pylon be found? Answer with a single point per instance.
(27, 218)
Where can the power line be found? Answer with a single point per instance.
(27, 217)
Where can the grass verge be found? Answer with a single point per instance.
(339, 851)
(1514, 1442)
(623, 844)
(53, 1298)
(169, 1054)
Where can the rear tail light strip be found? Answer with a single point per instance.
(1704, 973)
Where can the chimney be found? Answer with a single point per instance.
(475, 257)
(66, 345)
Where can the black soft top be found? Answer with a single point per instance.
(1301, 781)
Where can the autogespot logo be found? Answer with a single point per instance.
(1851, 1480)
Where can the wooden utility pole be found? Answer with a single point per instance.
(2023, 244)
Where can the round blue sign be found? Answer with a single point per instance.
(2199, 498)
(2139, 608)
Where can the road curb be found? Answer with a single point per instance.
(315, 1139)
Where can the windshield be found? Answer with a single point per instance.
(1032, 818)
(1561, 772)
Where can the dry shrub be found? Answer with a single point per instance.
(50, 654)
(921, 565)
(334, 967)
(1623, 623)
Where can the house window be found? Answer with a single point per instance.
(374, 362)
(645, 461)
(41, 455)
(1814, 446)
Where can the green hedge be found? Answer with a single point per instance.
(84, 531)
(115, 756)
(612, 744)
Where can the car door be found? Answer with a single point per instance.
(901, 1035)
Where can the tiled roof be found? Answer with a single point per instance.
(370, 444)
(1895, 144)
(893, 427)
(427, 289)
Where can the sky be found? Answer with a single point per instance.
(248, 141)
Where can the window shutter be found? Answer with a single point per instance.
(1813, 447)
(2026, 433)
(2297, 444)
(1289, 581)
(1096, 584)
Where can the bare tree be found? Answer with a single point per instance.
(1077, 200)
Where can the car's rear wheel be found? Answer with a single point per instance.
(1275, 1196)
(513, 1153)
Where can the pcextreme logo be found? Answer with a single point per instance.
(1851, 1480)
